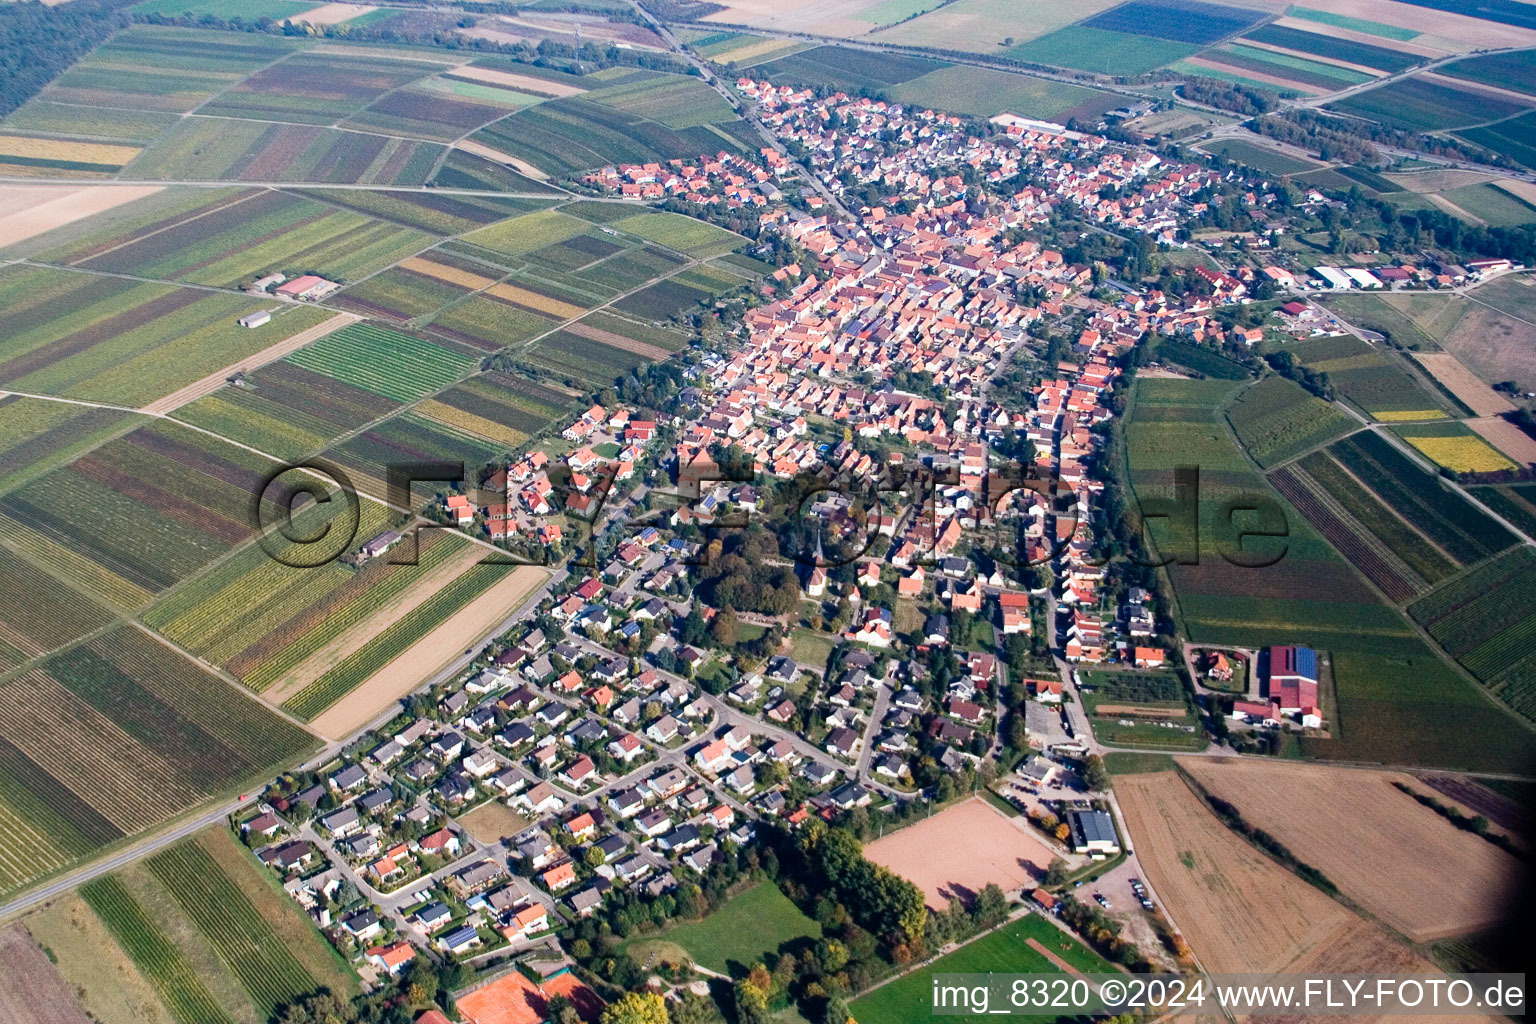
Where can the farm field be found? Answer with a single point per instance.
(27, 211)
(1516, 70)
(413, 648)
(206, 148)
(233, 237)
(1276, 420)
(581, 361)
(277, 10)
(1397, 700)
(286, 410)
(25, 155)
(1486, 620)
(566, 135)
(1319, 41)
(1026, 944)
(410, 437)
(1186, 21)
(1289, 72)
(1238, 909)
(742, 932)
(102, 979)
(1515, 502)
(208, 932)
(47, 117)
(424, 211)
(839, 68)
(37, 615)
(528, 232)
(983, 92)
(1419, 321)
(1420, 105)
(139, 513)
(1368, 378)
(121, 341)
(694, 237)
(1260, 158)
(37, 435)
(1386, 549)
(1495, 343)
(385, 362)
(114, 737)
(501, 408)
(151, 67)
(1141, 709)
(414, 289)
(1486, 203)
(981, 26)
(471, 165)
(441, 110)
(1442, 515)
(1085, 48)
(486, 323)
(1510, 137)
(317, 88)
(1453, 446)
(32, 989)
(1326, 816)
(674, 100)
(980, 846)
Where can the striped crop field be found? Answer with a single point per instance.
(116, 736)
(385, 362)
(147, 509)
(120, 341)
(233, 237)
(158, 959)
(247, 944)
(392, 642)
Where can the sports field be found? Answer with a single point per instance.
(1025, 945)
(962, 849)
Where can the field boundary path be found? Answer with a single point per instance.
(215, 380)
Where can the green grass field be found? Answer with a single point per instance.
(1101, 50)
(1005, 951)
(1260, 158)
(983, 92)
(741, 933)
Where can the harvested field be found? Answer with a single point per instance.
(1326, 816)
(29, 210)
(640, 348)
(958, 851)
(497, 156)
(526, 83)
(1464, 384)
(31, 991)
(335, 14)
(453, 275)
(1457, 31)
(1496, 338)
(492, 822)
(534, 301)
(1239, 910)
(431, 652)
(211, 383)
(1506, 437)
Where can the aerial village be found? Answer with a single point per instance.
(686, 680)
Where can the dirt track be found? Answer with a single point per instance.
(959, 850)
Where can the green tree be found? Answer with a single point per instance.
(836, 1011)
(1056, 873)
(1095, 774)
(991, 906)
